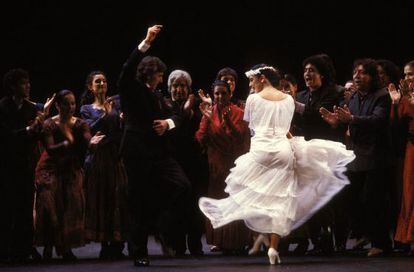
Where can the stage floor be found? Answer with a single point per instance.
(216, 262)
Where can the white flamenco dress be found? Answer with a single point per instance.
(280, 182)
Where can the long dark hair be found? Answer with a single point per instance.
(87, 96)
(391, 70)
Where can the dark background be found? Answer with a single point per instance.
(60, 43)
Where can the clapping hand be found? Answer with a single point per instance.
(344, 114)
(96, 139)
(226, 115)
(38, 121)
(108, 105)
(206, 109)
(205, 98)
(329, 117)
(188, 105)
(394, 93)
(48, 104)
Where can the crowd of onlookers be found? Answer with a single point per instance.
(101, 166)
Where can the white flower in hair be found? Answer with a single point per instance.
(259, 70)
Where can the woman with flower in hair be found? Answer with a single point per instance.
(282, 180)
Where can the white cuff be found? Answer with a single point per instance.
(143, 47)
(171, 124)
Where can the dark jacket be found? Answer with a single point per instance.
(370, 130)
(141, 107)
(310, 123)
(18, 147)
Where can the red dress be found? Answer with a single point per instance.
(60, 200)
(405, 227)
(224, 145)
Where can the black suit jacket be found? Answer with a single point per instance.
(370, 130)
(310, 123)
(141, 107)
(186, 148)
(19, 149)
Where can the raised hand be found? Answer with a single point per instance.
(344, 114)
(394, 93)
(48, 104)
(206, 109)
(38, 121)
(189, 103)
(40, 118)
(330, 117)
(108, 105)
(152, 33)
(205, 98)
(160, 126)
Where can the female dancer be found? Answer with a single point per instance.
(60, 204)
(105, 176)
(280, 182)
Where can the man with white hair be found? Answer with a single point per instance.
(188, 154)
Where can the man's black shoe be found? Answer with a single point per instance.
(141, 261)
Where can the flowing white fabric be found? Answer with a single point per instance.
(280, 182)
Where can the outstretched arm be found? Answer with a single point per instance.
(129, 68)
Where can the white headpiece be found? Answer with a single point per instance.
(258, 71)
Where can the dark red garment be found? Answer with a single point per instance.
(60, 200)
(224, 146)
(405, 227)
